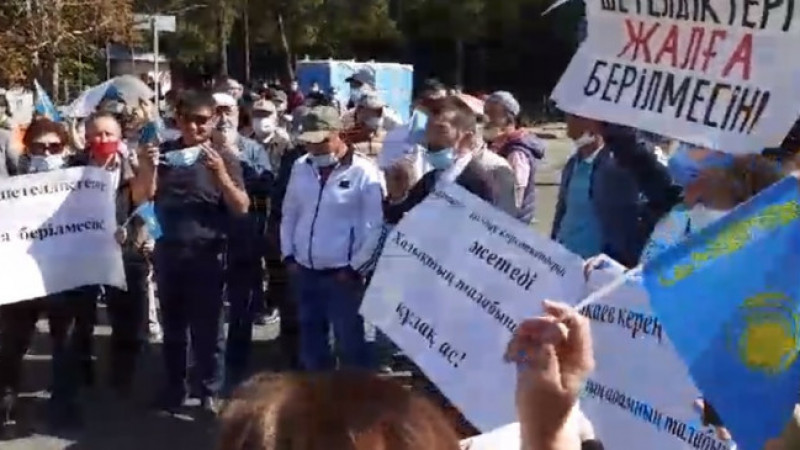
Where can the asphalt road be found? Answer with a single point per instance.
(112, 424)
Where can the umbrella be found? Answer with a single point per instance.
(126, 87)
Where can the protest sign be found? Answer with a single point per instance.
(640, 394)
(455, 279)
(715, 73)
(57, 233)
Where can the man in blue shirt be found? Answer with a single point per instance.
(612, 190)
(196, 184)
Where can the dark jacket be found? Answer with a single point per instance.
(473, 178)
(630, 191)
(532, 148)
(281, 182)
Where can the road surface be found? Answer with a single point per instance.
(111, 424)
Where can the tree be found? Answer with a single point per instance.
(39, 35)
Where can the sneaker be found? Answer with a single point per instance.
(211, 405)
(7, 410)
(272, 318)
(155, 336)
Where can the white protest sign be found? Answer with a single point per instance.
(57, 233)
(455, 278)
(640, 394)
(716, 73)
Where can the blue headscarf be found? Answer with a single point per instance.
(685, 169)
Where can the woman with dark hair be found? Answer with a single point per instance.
(70, 313)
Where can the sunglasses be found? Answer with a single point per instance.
(46, 147)
(197, 119)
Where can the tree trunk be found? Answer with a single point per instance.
(55, 80)
(287, 50)
(222, 39)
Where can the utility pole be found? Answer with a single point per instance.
(156, 57)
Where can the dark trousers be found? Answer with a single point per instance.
(279, 296)
(128, 312)
(328, 300)
(190, 288)
(71, 318)
(245, 294)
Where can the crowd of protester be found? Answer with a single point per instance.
(300, 191)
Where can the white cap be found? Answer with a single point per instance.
(223, 99)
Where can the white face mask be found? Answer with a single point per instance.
(41, 163)
(585, 139)
(355, 94)
(265, 126)
(324, 160)
(701, 216)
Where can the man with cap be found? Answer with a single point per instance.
(269, 132)
(362, 82)
(520, 148)
(246, 239)
(281, 101)
(332, 202)
(367, 134)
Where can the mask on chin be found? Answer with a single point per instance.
(441, 159)
(325, 160)
(265, 126)
(585, 139)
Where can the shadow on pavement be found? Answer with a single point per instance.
(109, 421)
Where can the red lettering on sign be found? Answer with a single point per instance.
(669, 47)
(638, 39)
(711, 51)
(742, 55)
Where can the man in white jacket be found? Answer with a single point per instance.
(332, 202)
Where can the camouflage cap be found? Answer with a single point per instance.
(318, 123)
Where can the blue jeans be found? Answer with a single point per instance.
(190, 287)
(325, 299)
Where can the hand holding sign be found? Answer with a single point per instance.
(554, 356)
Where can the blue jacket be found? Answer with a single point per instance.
(630, 191)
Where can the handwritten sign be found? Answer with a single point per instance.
(455, 279)
(640, 384)
(712, 72)
(57, 233)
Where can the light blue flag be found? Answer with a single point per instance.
(416, 127)
(44, 105)
(148, 213)
(729, 298)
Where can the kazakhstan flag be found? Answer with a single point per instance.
(729, 298)
(148, 214)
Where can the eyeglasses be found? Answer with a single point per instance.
(197, 119)
(46, 147)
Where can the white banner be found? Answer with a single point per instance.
(57, 233)
(455, 278)
(714, 72)
(640, 394)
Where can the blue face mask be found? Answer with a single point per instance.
(321, 161)
(182, 158)
(416, 127)
(684, 169)
(441, 159)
